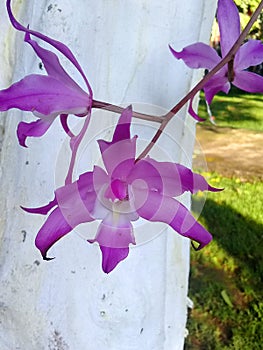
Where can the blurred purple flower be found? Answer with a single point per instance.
(124, 192)
(200, 55)
(46, 96)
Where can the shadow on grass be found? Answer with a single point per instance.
(242, 238)
(226, 283)
(237, 109)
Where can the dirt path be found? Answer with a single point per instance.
(230, 152)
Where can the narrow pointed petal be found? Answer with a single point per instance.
(119, 154)
(229, 24)
(218, 82)
(64, 123)
(249, 54)
(158, 208)
(53, 229)
(198, 55)
(44, 95)
(168, 178)
(121, 132)
(52, 64)
(41, 210)
(249, 82)
(56, 44)
(34, 129)
(111, 257)
(192, 112)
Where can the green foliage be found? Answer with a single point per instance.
(243, 5)
(246, 7)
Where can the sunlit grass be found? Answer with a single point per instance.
(226, 281)
(236, 110)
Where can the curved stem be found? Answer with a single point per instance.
(116, 109)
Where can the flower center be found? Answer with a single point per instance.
(120, 189)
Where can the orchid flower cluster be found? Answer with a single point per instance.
(127, 188)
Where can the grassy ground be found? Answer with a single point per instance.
(236, 110)
(226, 283)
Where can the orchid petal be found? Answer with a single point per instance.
(56, 44)
(122, 130)
(249, 54)
(198, 55)
(53, 229)
(248, 81)
(36, 129)
(70, 201)
(64, 123)
(229, 24)
(159, 208)
(44, 95)
(119, 189)
(41, 210)
(111, 257)
(119, 154)
(114, 235)
(52, 64)
(218, 82)
(192, 112)
(149, 173)
(175, 178)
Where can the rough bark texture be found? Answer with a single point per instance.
(69, 303)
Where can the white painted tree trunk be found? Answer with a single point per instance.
(69, 303)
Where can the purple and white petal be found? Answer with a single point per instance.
(229, 24)
(119, 154)
(70, 199)
(198, 55)
(219, 82)
(114, 236)
(111, 257)
(53, 229)
(159, 208)
(249, 54)
(34, 129)
(56, 44)
(52, 65)
(249, 82)
(193, 113)
(170, 179)
(44, 95)
(41, 210)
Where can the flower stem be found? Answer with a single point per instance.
(116, 109)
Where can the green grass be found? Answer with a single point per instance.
(236, 110)
(226, 281)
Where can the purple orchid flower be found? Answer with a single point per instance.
(200, 55)
(126, 190)
(46, 96)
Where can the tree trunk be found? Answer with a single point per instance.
(69, 303)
